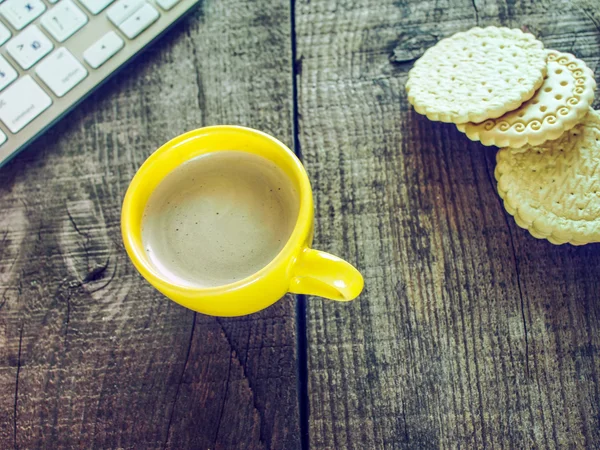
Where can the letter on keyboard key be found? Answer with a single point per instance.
(29, 46)
(141, 20)
(63, 20)
(61, 71)
(21, 13)
(95, 6)
(7, 73)
(4, 33)
(123, 9)
(103, 49)
(21, 103)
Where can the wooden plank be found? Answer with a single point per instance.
(90, 355)
(470, 333)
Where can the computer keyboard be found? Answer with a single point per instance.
(54, 53)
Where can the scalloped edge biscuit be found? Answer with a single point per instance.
(477, 75)
(560, 103)
(568, 189)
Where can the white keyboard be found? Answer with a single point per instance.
(54, 53)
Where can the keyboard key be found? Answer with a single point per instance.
(123, 9)
(103, 49)
(4, 33)
(167, 4)
(7, 73)
(21, 13)
(63, 20)
(22, 102)
(141, 20)
(3, 137)
(61, 71)
(95, 6)
(29, 47)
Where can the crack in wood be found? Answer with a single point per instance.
(594, 21)
(476, 12)
(410, 47)
(201, 98)
(224, 396)
(16, 404)
(245, 372)
(187, 358)
(96, 272)
(4, 299)
(82, 234)
(112, 277)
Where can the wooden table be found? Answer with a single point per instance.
(470, 333)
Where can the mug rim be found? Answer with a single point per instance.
(294, 243)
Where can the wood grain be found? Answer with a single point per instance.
(470, 333)
(90, 355)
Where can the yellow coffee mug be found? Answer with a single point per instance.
(297, 268)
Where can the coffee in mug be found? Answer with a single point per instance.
(219, 218)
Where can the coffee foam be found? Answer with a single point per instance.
(219, 218)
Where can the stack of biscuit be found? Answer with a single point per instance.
(502, 88)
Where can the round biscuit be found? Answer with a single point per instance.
(477, 75)
(558, 105)
(553, 190)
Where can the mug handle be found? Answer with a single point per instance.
(325, 275)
